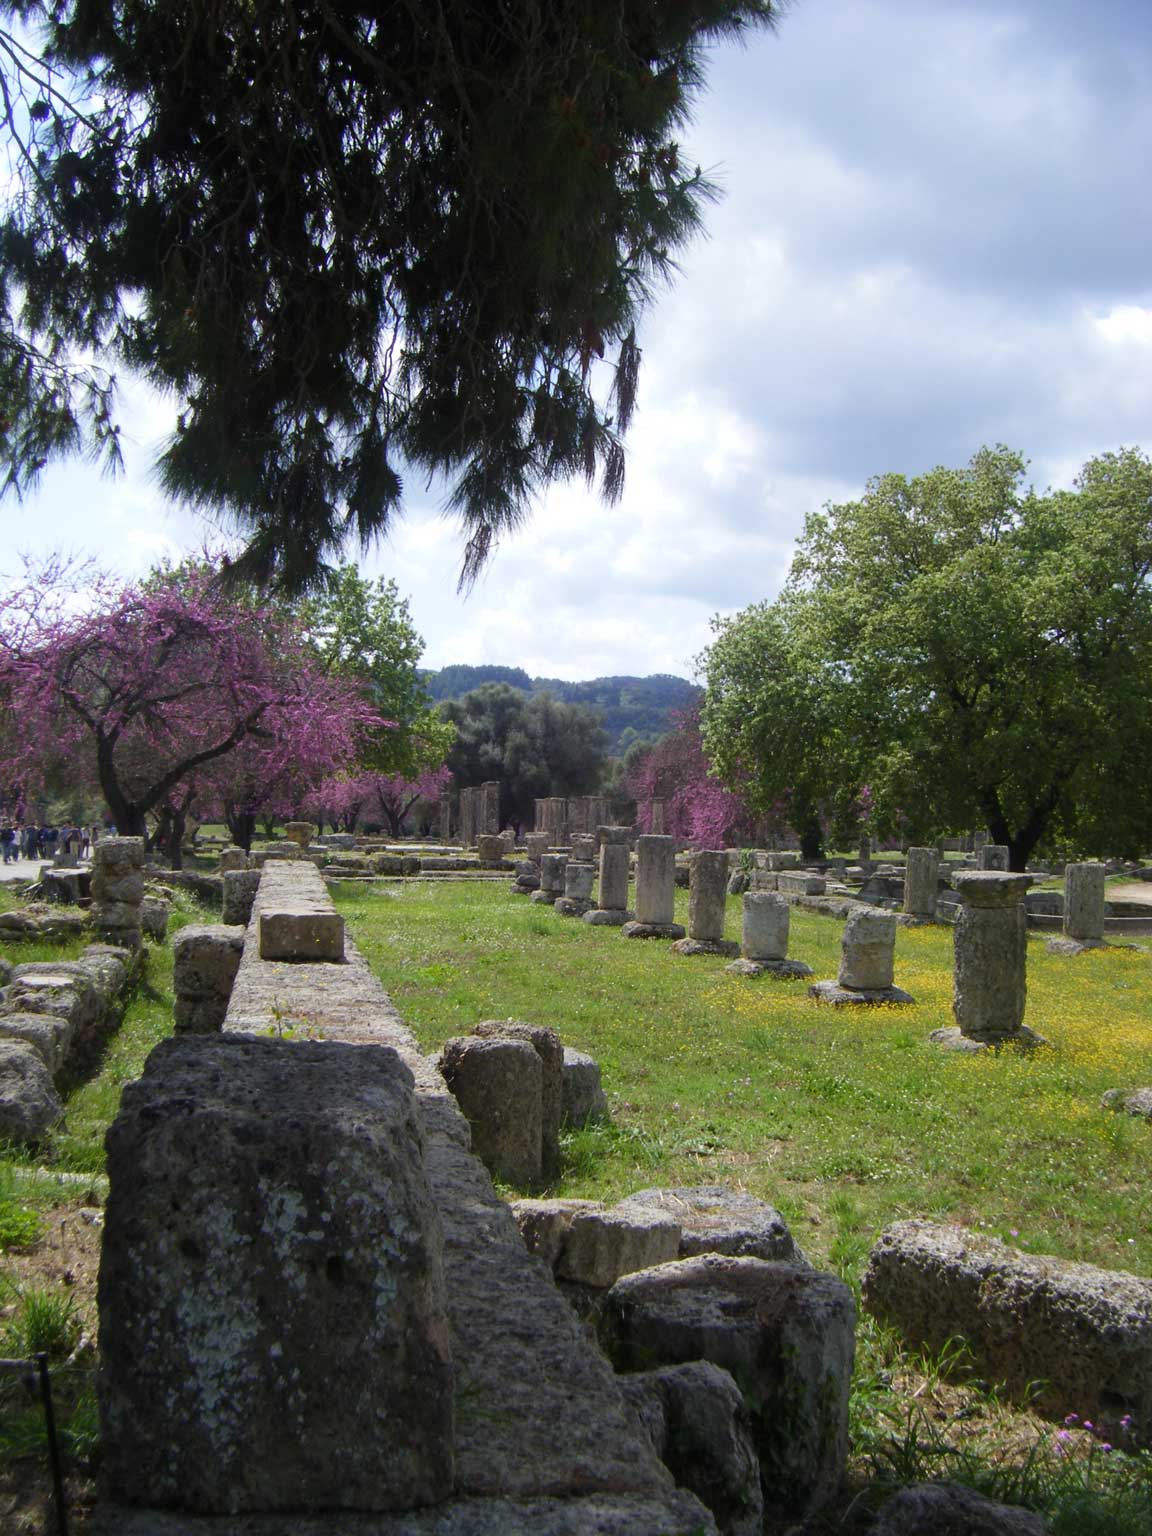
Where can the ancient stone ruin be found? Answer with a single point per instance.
(764, 941)
(867, 961)
(611, 909)
(1083, 910)
(655, 891)
(990, 940)
(707, 906)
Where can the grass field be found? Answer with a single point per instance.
(845, 1120)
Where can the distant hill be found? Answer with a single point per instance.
(632, 707)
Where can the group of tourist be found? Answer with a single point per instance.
(30, 840)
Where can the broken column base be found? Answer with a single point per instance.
(636, 930)
(544, 898)
(572, 906)
(783, 970)
(862, 997)
(954, 1039)
(608, 917)
(724, 947)
(1073, 946)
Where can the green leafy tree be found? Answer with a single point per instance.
(534, 745)
(363, 630)
(347, 238)
(969, 651)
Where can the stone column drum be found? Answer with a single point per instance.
(551, 878)
(920, 881)
(867, 959)
(577, 897)
(1084, 904)
(536, 844)
(764, 949)
(613, 897)
(990, 940)
(491, 850)
(992, 856)
(707, 903)
(118, 889)
(655, 891)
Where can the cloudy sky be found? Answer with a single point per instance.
(936, 232)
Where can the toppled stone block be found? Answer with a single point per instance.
(154, 914)
(240, 887)
(946, 1509)
(544, 1224)
(600, 1246)
(269, 1232)
(47, 1036)
(800, 883)
(300, 832)
(583, 1100)
(785, 1333)
(492, 851)
(300, 933)
(714, 1219)
(546, 1043)
(1130, 1101)
(205, 959)
(65, 990)
(638, 930)
(1079, 1336)
(232, 859)
(697, 1420)
(498, 1084)
(29, 1103)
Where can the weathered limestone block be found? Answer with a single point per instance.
(1129, 1101)
(491, 850)
(584, 848)
(205, 959)
(697, 1420)
(546, 1043)
(536, 845)
(240, 887)
(48, 1036)
(118, 888)
(867, 959)
(300, 932)
(583, 1100)
(655, 881)
(764, 943)
(551, 878)
(800, 883)
(1084, 903)
(577, 897)
(401, 864)
(612, 902)
(948, 1509)
(62, 989)
(990, 940)
(785, 1333)
(300, 832)
(715, 1219)
(232, 859)
(544, 1224)
(269, 1232)
(1080, 1336)
(707, 901)
(920, 881)
(992, 856)
(498, 1084)
(527, 876)
(29, 1103)
(154, 914)
(128, 888)
(601, 1246)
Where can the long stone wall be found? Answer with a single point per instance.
(544, 1443)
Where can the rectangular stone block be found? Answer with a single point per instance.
(301, 933)
(273, 1333)
(797, 883)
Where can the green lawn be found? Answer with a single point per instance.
(844, 1120)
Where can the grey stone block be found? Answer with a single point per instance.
(498, 1084)
(29, 1103)
(867, 950)
(240, 887)
(49, 1037)
(544, 1224)
(546, 1043)
(600, 1245)
(787, 1335)
(715, 1219)
(269, 1233)
(1078, 1335)
(583, 1100)
(945, 1509)
(300, 933)
(205, 959)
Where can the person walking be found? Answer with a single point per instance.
(8, 841)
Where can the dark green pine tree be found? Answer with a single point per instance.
(352, 240)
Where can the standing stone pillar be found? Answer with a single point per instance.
(551, 878)
(612, 910)
(707, 905)
(536, 844)
(444, 829)
(299, 832)
(655, 891)
(764, 944)
(921, 874)
(990, 944)
(205, 959)
(992, 856)
(867, 960)
(657, 818)
(118, 890)
(491, 851)
(1083, 910)
(577, 897)
(865, 851)
(489, 807)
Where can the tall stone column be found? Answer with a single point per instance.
(118, 889)
(657, 818)
(990, 944)
(445, 823)
(489, 807)
(1083, 910)
(611, 912)
(655, 891)
(865, 851)
(707, 904)
(921, 874)
(764, 943)
(867, 961)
